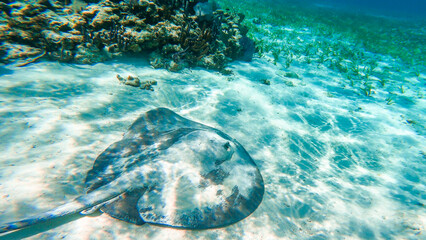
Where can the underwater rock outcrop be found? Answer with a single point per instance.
(176, 33)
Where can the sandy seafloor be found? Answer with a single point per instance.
(336, 164)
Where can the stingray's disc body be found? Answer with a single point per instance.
(178, 173)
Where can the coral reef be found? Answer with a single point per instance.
(176, 33)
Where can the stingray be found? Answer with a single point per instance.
(171, 171)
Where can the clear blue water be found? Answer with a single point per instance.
(390, 8)
(337, 164)
(396, 8)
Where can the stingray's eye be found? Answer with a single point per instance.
(227, 146)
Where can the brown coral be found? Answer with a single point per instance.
(97, 32)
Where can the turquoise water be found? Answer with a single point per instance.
(338, 161)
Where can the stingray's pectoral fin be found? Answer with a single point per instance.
(124, 207)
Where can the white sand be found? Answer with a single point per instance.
(336, 164)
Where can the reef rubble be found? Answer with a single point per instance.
(135, 82)
(175, 33)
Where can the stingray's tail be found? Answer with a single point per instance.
(69, 208)
(77, 205)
